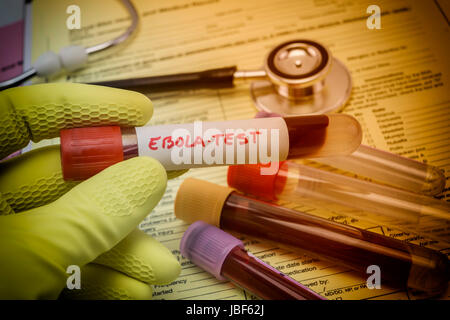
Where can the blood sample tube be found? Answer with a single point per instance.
(401, 264)
(224, 256)
(369, 201)
(86, 151)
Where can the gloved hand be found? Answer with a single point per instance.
(48, 224)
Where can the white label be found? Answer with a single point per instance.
(200, 144)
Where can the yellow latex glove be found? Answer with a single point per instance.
(47, 224)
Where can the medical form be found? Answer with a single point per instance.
(401, 96)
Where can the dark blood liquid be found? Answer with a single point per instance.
(248, 273)
(400, 263)
(306, 134)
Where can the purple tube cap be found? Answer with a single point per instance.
(208, 246)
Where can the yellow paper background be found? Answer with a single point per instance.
(401, 96)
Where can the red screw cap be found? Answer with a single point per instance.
(87, 151)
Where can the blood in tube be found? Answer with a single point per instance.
(87, 151)
(224, 256)
(402, 264)
(306, 134)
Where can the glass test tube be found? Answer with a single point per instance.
(224, 256)
(401, 264)
(390, 168)
(87, 151)
(385, 167)
(377, 203)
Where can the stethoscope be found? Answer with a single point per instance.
(297, 77)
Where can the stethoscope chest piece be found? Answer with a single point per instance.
(303, 78)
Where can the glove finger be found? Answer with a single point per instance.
(82, 224)
(175, 173)
(40, 111)
(142, 258)
(5, 208)
(102, 283)
(33, 179)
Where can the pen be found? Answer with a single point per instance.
(220, 77)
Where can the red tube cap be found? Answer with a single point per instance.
(87, 151)
(248, 179)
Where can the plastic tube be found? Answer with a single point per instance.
(386, 167)
(87, 151)
(390, 168)
(224, 256)
(378, 203)
(401, 264)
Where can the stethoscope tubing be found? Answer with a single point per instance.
(30, 73)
